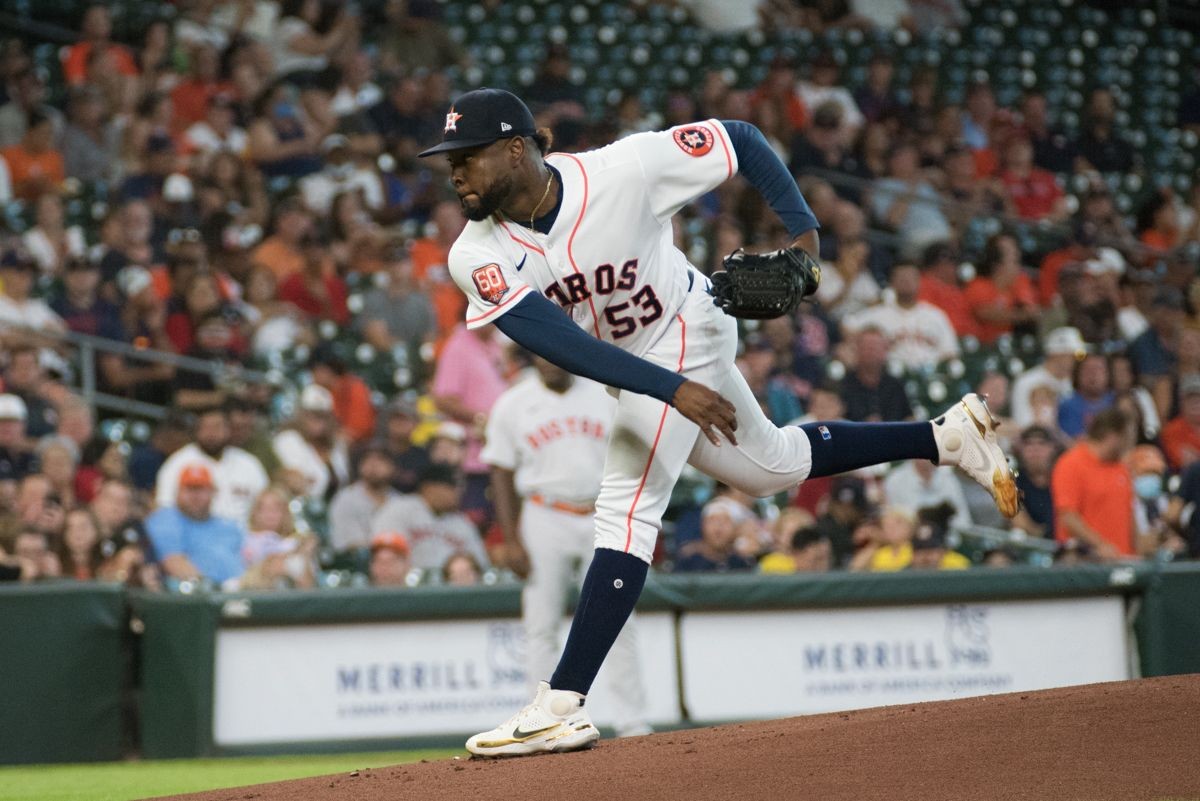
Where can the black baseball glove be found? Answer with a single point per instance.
(764, 286)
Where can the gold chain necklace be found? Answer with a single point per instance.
(533, 214)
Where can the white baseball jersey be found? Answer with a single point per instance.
(238, 478)
(555, 443)
(921, 335)
(609, 259)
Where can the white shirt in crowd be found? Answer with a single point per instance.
(921, 335)
(1022, 390)
(43, 251)
(905, 487)
(555, 443)
(31, 313)
(238, 478)
(204, 138)
(863, 292)
(295, 453)
(432, 538)
(319, 189)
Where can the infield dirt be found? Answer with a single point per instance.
(1123, 741)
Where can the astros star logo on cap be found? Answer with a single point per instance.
(451, 119)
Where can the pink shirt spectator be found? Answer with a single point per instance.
(469, 369)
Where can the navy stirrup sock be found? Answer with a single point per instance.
(841, 447)
(610, 591)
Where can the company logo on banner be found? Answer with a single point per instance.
(331, 682)
(836, 659)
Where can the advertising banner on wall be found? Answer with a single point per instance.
(775, 664)
(322, 683)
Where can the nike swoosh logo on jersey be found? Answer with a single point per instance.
(522, 262)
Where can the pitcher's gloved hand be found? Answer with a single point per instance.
(767, 285)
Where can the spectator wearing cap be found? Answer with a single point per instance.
(217, 131)
(95, 33)
(940, 286)
(1092, 394)
(238, 477)
(907, 203)
(355, 505)
(153, 183)
(18, 307)
(920, 483)
(1138, 289)
(399, 313)
(311, 453)
(872, 394)
(50, 242)
(920, 333)
(722, 521)
(340, 174)
(431, 520)
(408, 458)
(391, 560)
(80, 305)
(466, 384)
(929, 549)
(823, 147)
(351, 397)
(34, 164)
(1063, 347)
(1181, 436)
(316, 289)
(1092, 491)
(16, 458)
(1155, 351)
(25, 378)
(1001, 296)
(1033, 192)
(845, 511)
(1037, 450)
(192, 542)
(447, 444)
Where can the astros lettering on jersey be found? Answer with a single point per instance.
(609, 260)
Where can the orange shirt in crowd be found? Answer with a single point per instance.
(1157, 240)
(189, 99)
(429, 269)
(1178, 438)
(75, 64)
(31, 173)
(951, 299)
(353, 408)
(1099, 492)
(987, 163)
(279, 257)
(983, 292)
(1052, 265)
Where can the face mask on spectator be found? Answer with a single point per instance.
(1148, 487)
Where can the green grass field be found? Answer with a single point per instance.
(123, 781)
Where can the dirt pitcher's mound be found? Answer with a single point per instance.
(1123, 741)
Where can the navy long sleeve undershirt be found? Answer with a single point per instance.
(538, 325)
(760, 165)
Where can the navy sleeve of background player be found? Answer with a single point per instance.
(540, 326)
(760, 165)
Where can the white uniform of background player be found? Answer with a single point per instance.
(610, 261)
(554, 445)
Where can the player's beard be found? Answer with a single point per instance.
(489, 201)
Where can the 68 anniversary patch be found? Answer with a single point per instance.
(694, 141)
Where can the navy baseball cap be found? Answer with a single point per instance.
(481, 117)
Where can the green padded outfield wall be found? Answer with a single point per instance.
(61, 668)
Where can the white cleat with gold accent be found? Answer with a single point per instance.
(966, 438)
(554, 721)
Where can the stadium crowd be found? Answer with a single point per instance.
(239, 184)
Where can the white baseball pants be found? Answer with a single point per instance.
(651, 441)
(560, 551)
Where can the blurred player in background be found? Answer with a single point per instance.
(546, 440)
